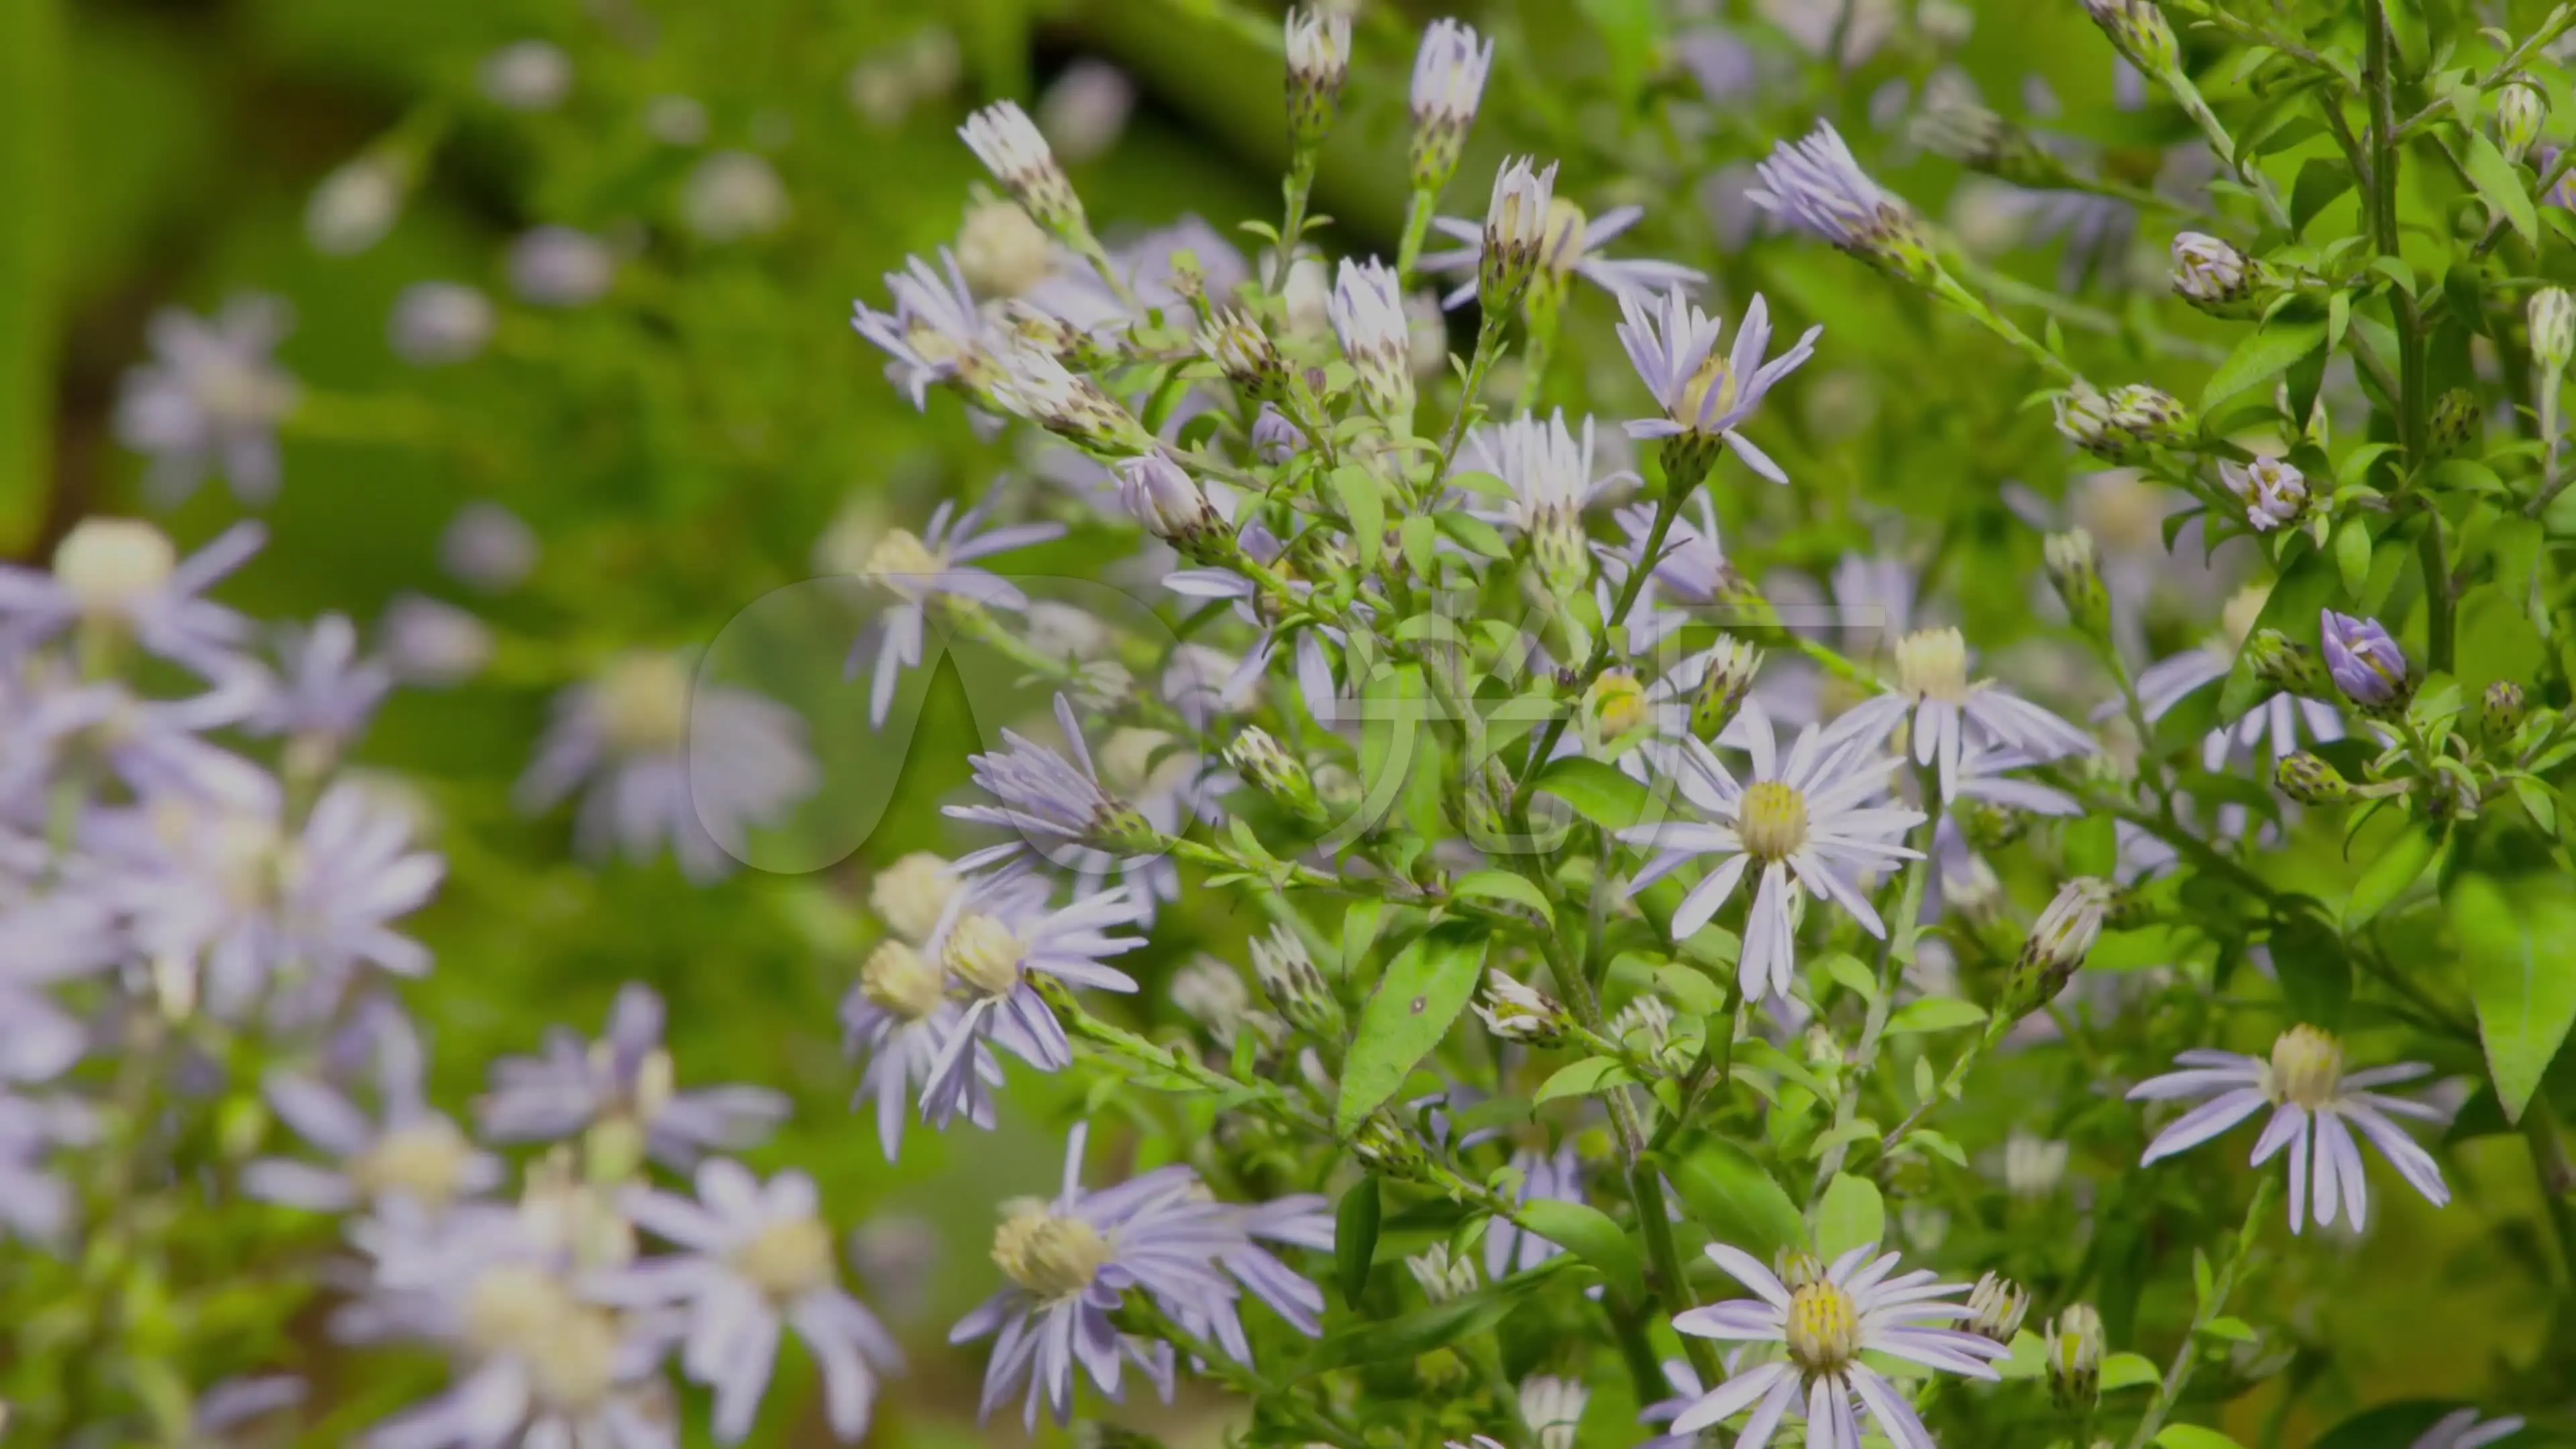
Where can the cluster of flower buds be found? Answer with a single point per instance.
(2125, 424)
(2274, 492)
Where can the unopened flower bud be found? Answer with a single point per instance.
(1039, 387)
(1297, 991)
(1448, 81)
(2520, 109)
(2501, 711)
(1268, 766)
(2285, 665)
(2551, 314)
(1009, 144)
(1515, 231)
(1987, 825)
(2455, 421)
(2074, 1355)
(1319, 60)
(1997, 1305)
(1445, 1276)
(1386, 1147)
(2311, 779)
(1275, 440)
(1002, 251)
(1238, 346)
(1955, 124)
(1164, 498)
(2077, 576)
(2140, 31)
(2210, 273)
(2365, 662)
(2274, 492)
(1614, 707)
(1724, 687)
(1519, 1013)
(1367, 311)
(2059, 941)
(2123, 425)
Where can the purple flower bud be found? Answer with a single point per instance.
(2365, 662)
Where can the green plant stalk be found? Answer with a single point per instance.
(2194, 105)
(2557, 1178)
(1951, 1082)
(1949, 289)
(2178, 1373)
(1894, 951)
(1417, 227)
(31, 70)
(1489, 350)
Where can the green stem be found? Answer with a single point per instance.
(1895, 950)
(2178, 1373)
(2188, 95)
(2557, 1177)
(1417, 228)
(1489, 350)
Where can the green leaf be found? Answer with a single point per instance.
(1405, 1338)
(2316, 975)
(2260, 358)
(1588, 1234)
(1598, 792)
(1934, 1013)
(1852, 1215)
(2520, 946)
(1365, 506)
(1733, 1197)
(1425, 988)
(2352, 554)
(2320, 182)
(2499, 182)
(1359, 933)
(2397, 866)
(1581, 1079)
(2192, 1436)
(1355, 1238)
(2128, 1371)
(1504, 885)
(1419, 533)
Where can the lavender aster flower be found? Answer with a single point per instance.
(123, 577)
(412, 1151)
(935, 332)
(2316, 1107)
(1071, 1260)
(623, 1081)
(696, 767)
(1827, 1317)
(998, 934)
(896, 1021)
(210, 400)
(1048, 799)
(1545, 1177)
(1809, 820)
(918, 570)
(1705, 396)
(1949, 713)
(1816, 186)
(755, 1259)
(2363, 660)
(328, 691)
(1570, 246)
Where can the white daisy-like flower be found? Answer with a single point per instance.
(1673, 345)
(1951, 713)
(917, 568)
(997, 934)
(210, 399)
(1813, 819)
(1827, 1320)
(2316, 1108)
(935, 331)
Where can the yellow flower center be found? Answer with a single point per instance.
(897, 979)
(910, 894)
(899, 554)
(1710, 393)
(110, 564)
(2307, 1065)
(787, 1259)
(1052, 1257)
(1562, 246)
(425, 1160)
(1933, 664)
(984, 954)
(1824, 1328)
(644, 703)
(1618, 701)
(1772, 821)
